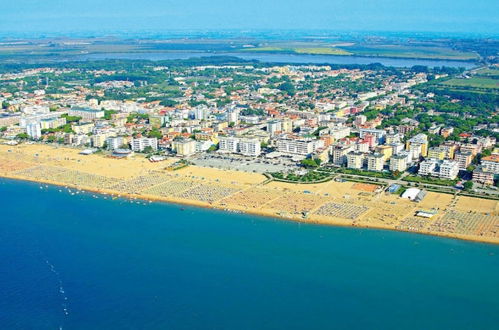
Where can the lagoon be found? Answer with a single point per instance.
(283, 58)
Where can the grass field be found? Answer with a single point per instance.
(488, 72)
(410, 52)
(304, 50)
(474, 82)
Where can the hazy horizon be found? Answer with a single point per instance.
(113, 16)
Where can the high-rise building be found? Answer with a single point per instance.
(244, 146)
(184, 147)
(116, 142)
(274, 126)
(491, 163)
(399, 162)
(437, 153)
(375, 162)
(418, 140)
(250, 147)
(339, 153)
(140, 144)
(34, 130)
(355, 160)
(228, 144)
(463, 159)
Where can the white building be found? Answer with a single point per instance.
(427, 167)
(201, 113)
(250, 147)
(355, 160)
(52, 123)
(86, 113)
(228, 144)
(339, 132)
(233, 116)
(203, 145)
(445, 169)
(379, 134)
(244, 146)
(184, 147)
(299, 146)
(491, 163)
(449, 169)
(274, 126)
(360, 120)
(37, 118)
(339, 153)
(114, 143)
(139, 144)
(398, 163)
(34, 130)
(375, 162)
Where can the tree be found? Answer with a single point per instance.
(109, 113)
(148, 150)
(3, 128)
(311, 163)
(22, 136)
(468, 185)
(154, 133)
(168, 103)
(288, 87)
(71, 119)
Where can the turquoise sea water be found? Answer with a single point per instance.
(78, 262)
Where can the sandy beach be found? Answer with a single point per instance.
(331, 203)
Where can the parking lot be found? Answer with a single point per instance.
(243, 163)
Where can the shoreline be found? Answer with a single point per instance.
(199, 204)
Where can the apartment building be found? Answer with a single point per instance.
(250, 147)
(375, 162)
(244, 146)
(184, 147)
(355, 160)
(437, 153)
(463, 159)
(445, 169)
(140, 144)
(86, 113)
(419, 140)
(339, 153)
(482, 175)
(299, 146)
(116, 142)
(399, 162)
(491, 163)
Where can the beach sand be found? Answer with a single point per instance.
(331, 203)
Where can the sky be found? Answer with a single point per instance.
(49, 16)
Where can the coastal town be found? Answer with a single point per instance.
(384, 142)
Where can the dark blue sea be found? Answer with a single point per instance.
(78, 262)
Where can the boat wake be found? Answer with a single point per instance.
(62, 292)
